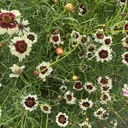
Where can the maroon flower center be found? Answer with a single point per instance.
(30, 102)
(69, 97)
(105, 97)
(86, 104)
(30, 37)
(21, 26)
(103, 54)
(100, 35)
(78, 85)
(107, 41)
(126, 57)
(45, 108)
(62, 119)
(104, 81)
(43, 69)
(55, 38)
(99, 112)
(122, 0)
(91, 49)
(83, 39)
(126, 40)
(80, 54)
(21, 46)
(89, 87)
(89, 55)
(105, 88)
(6, 18)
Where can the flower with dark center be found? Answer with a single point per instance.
(62, 119)
(55, 39)
(89, 87)
(126, 28)
(45, 108)
(8, 21)
(78, 85)
(103, 54)
(105, 97)
(30, 102)
(125, 58)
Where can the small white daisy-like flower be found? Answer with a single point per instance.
(89, 87)
(80, 55)
(103, 54)
(0, 112)
(105, 97)
(125, 42)
(63, 88)
(8, 21)
(31, 36)
(75, 36)
(90, 55)
(45, 108)
(84, 40)
(114, 123)
(126, 28)
(91, 48)
(44, 69)
(107, 40)
(85, 104)
(68, 96)
(16, 70)
(22, 26)
(62, 119)
(78, 85)
(20, 47)
(85, 125)
(125, 90)
(99, 36)
(125, 58)
(55, 39)
(82, 10)
(30, 102)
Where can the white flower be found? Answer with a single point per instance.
(103, 53)
(125, 42)
(20, 47)
(55, 39)
(125, 90)
(44, 69)
(85, 125)
(30, 102)
(45, 108)
(89, 87)
(0, 112)
(16, 70)
(8, 21)
(63, 88)
(62, 119)
(85, 104)
(105, 97)
(89, 55)
(78, 85)
(68, 96)
(125, 58)
(107, 40)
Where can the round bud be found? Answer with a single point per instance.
(59, 51)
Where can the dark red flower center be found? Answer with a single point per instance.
(104, 81)
(21, 46)
(69, 97)
(126, 40)
(91, 49)
(21, 26)
(103, 54)
(105, 97)
(86, 104)
(78, 85)
(30, 102)
(126, 57)
(83, 39)
(31, 37)
(62, 119)
(89, 87)
(55, 38)
(43, 69)
(89, 55)
(100, 35)
(107, 41)
(45, 108)
(99, 112)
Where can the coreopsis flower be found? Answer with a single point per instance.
(89, 87)
(82, 10)
(125, 90)
(85, 104)
(125, 58)
(70, 99)
(16, 70)
(22, 26)
(105, 97)
(0, 112)
(85, 124)
(75, 36)
(89, 55)
(107, 40)
(44, 69)
(63, 88)
(114, 123)
(126, 28)
(30, 102)
(62, 119)
(91, 48)
(84, 40)
(78, 85)
(45, 108)
(80, 55)
(8, 21)
(99, 36)
(125, 42)
(55, 39)
(103, 54)
(20, 47)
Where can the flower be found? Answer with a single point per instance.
(8, 21)
(85, 104)
(125, 58)
(105, 97)
(114, 123)
(84, 40)
(16, 70)
(89, 87)
(125, 90)
(82, 10)
(55, 39)
(78, 85)
(89, 55)
(45, 108)
(91, 48)
(107, 40)
(126, 28)
(85, 125)
(44, 69)
(75, 36)
(0, 112)
(23, 30)
(62, 119)
(80, 55)
(63, 88)
(125, 42)
(30, 102)
(20, 47)
(103, 53)
(68, 96)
